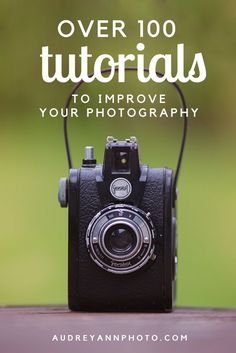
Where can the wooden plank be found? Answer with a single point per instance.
(36, 330)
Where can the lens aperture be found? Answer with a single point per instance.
(120, 239)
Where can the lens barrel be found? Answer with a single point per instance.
(120, 239)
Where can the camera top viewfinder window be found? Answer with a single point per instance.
(121, 161)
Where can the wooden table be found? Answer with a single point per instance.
(36, 330)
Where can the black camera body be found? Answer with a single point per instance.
(122, 232)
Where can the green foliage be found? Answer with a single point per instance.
(33, 228)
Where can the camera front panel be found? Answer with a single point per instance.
(92, 287)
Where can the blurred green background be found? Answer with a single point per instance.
(33, 228)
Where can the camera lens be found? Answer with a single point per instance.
(120, 240)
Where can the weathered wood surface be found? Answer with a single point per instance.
(31, 329)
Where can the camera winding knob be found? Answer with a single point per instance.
(62, 193)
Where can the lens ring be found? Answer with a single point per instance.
(121, 215)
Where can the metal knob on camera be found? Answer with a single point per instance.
(89, 160)
(62, 193)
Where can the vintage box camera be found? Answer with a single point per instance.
(122, 232)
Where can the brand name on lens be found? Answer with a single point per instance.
(121, 264)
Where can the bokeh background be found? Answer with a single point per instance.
(33, 228)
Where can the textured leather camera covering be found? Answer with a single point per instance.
(92, 288)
